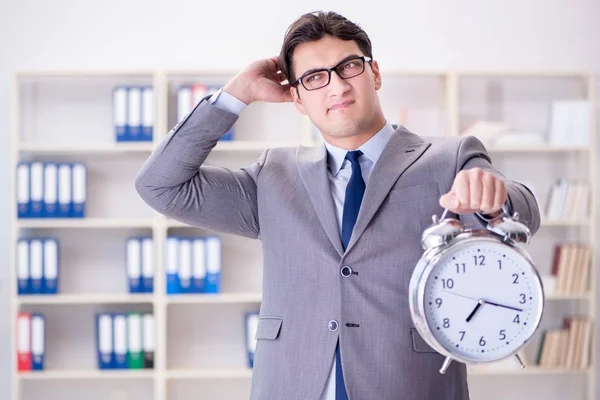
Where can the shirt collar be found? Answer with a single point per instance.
(372, 149)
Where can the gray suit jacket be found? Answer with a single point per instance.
(284, 200)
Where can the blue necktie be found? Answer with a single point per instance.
(354, 195)
(355, 191)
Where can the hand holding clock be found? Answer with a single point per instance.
(475, 190)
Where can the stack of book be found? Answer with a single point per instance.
(188, 96)
(51, 190)
(251, 324)
(570, 123)
(37, 266)
(193, 264)
(133, 113)
(568, 199)
(139, 261)
(567, 347)
(570, 269)
(125, 340)
(31, 341)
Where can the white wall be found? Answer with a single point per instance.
(433, 34)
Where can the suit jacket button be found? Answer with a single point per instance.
(346, 271)
(333, 325)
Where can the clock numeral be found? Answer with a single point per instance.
(502, 334)
(522, 298)
(438, 301)
(499, 264)
(463, 335)
(516, 276)
(479, 260)
(517, 320)
(446, 323)
(447, 283)
(482, 342)
(462, 266)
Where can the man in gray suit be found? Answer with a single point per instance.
(340, 224)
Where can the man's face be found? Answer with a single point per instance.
(345, 107)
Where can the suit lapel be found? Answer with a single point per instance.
(403, 149)
(312, 166)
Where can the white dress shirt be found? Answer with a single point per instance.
(340, 171)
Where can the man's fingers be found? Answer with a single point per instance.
(488, 194)
(449, 201)
(500, 195)
(461, 189)
(475, 190)
(275, 60)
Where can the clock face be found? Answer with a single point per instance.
(482, 301)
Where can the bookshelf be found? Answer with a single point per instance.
(85, 299)
(51, 111)
(88, 375)
(521, 101)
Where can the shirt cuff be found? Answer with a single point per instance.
(227, 102)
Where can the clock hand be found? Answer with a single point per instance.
(484, 301)
(479, 304)
(502, 305)
(461, 295)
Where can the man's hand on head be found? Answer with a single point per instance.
(261, 80)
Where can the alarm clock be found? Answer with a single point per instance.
(475, 294)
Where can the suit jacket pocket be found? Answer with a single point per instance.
(268, 328)
(419, 344)
(413, 192)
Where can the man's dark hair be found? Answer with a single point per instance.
(313, 26)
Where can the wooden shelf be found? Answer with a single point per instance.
(220, 298)
(528, 370)
(86, 299)
(147, 223)
(569, 296)
(176, 224)
(84, 223)
(249, 146)
(564, 222)
(210, 373)
(41, 74)
(526, 74)
(538, 149)
(99, 149)
(83, 374)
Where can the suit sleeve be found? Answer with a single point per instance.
(472, 154)
(174, 181)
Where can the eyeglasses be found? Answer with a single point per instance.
(346, 69)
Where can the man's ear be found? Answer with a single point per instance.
(376, 74)
(297, 100)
